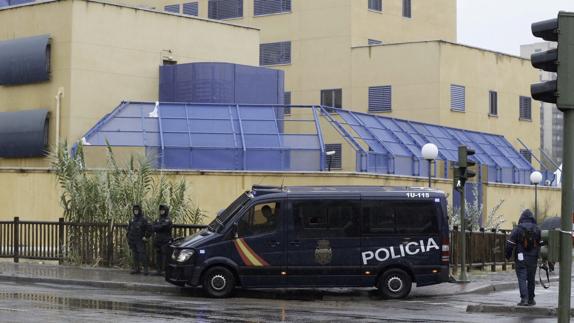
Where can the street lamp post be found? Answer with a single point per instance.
(536, 178)
(429, 152)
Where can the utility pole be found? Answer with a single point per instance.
(561, 92)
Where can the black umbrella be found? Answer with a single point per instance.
(550, 223)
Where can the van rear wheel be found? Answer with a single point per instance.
(395, 283)
(218, 282)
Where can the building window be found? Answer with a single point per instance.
(336, 159)
(374, 42)
(275, 53)
(267, 7)
(332, 98)
(493, 103)
(191, 9)
(380, 98)
(525, 108)
(526, 154)
(376, 5)
(225, 9)
(457, 98)
(407, 10)
(172, 8)
(287, 102)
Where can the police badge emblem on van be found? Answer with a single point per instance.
(323, 252)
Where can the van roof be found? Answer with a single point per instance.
(259, 190)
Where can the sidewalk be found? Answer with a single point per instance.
(481, 282)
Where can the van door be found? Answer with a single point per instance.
(401, 231)
(259, 245)
(323, 242)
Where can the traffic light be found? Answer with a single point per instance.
(464, 163)
(560, 60)
(456, 180)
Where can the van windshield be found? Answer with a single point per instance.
(224, 216)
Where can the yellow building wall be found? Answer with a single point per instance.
(212, 191)
(516, 198)
(431, 20)
(53, 19)
(105, 53)
(421, 86)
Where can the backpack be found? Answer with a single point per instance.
(529, 238)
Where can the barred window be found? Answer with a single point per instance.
(493, 103)
(376, 5)
(191, 8)
(457, 98)
(525, 108)
(266, 7)
(527, 154)
(380, 98)
(275, 53)
(336, 159)
(225, 9)
(287, 102)
(332, 98)
(172, 8)
(407, 10)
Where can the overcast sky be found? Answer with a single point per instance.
(504, 25)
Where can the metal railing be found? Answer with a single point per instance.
(106, 243)
(85, 243)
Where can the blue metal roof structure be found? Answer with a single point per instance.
(257, 137)
(394, 146)
(213, 136)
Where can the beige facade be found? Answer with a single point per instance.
(212, 191)
(103, 54)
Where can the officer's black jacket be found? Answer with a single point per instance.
(526, 222)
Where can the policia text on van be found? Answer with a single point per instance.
(345, 236)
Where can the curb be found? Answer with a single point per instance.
(497, 287)
(92, 283)
(530, 310)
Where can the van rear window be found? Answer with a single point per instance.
(408, 217)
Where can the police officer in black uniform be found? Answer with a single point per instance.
(138, 231)
(524, 243)
(162, 238)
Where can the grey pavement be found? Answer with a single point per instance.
(481, 281)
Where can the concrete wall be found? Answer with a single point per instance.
(212, 191)
(105, 53)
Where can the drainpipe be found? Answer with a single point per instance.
(58, 106)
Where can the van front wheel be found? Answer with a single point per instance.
(218, 282)
(395, 283)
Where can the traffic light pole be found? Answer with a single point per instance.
(566, 219)
(462, 277)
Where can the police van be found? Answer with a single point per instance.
(328, 236)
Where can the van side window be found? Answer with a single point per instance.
(378, 219)
(390, 217)
(326, 219)
(260, 219)
(416, 217)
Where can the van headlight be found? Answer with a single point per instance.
(183, 255)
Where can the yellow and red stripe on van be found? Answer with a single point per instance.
(249, 257)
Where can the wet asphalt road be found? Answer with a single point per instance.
(61, 303)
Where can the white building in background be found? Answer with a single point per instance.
(551, 119)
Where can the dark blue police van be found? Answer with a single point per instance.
(328, 236)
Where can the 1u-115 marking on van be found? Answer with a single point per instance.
(418, 195)
(403, 250)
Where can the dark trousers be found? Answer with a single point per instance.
(526, 273)
(161, 256)
(139, 255)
